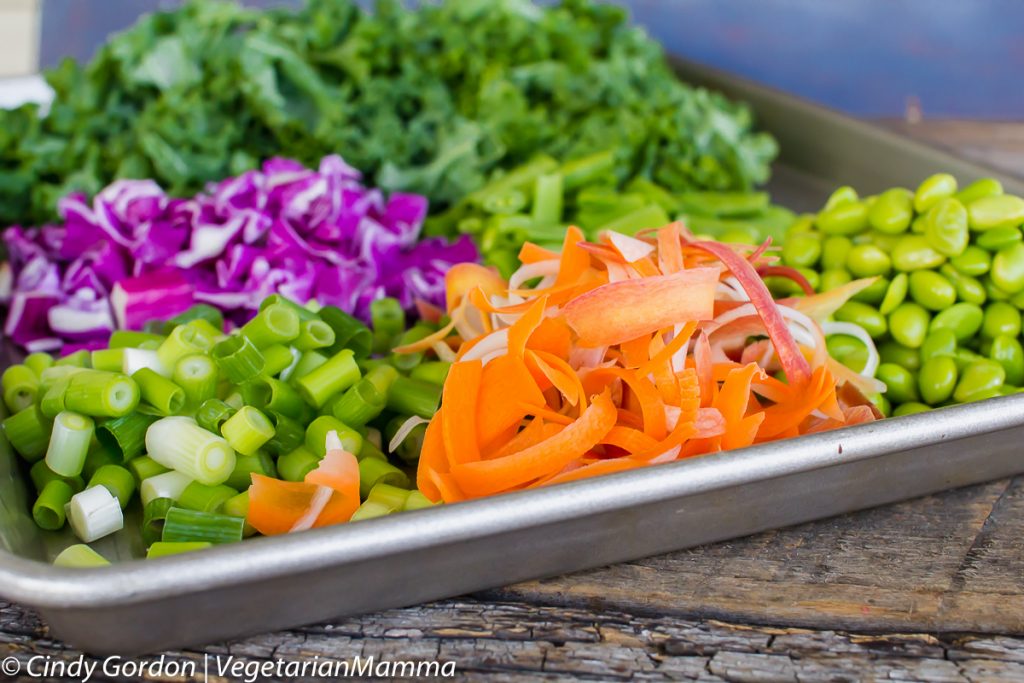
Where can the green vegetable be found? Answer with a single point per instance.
(937, 379)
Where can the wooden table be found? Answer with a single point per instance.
(927, 590)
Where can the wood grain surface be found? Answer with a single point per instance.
(927, 590)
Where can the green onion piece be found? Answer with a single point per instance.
(337, 374)
(370, 450)
(69, 443)
(133, 360)
(130, 339)
(20, 386)
(382, 377)
(197, 376)
(183, 341)
(239, 359)
(80, 556)
(205, 498)
(78, 359)
(247, 430)
(205, 312)
(150, 345)
(52, 402)
(246, 466)
(435, 371)
(161, 393)
(277, 358)
(99, 455)
(101, 394)
(294, 466)
(29, 433)
(165, 548)
(125, 436)
(41, 475)
(388, 321)
(273, 395)
(37, 362)
(94, 513)
(108, 360)
(318, 429)
(417, 501)
(288, 434)
(275, 324)
(414, 397)
(213, 413)
(206, 329)
(117, 480)
(314, 334)
(57, 374)
(308, 362)
(370, 510)
(408, 449)
(237, 506)
(168, 484)
(407, 361)
(281, 300)
(360, 403)
(547, 198)
(373, 472)
(349, 333)
(153, 515)
(145, 467)
(391, 496)
(234, 400)
(183, 446)
(48, 511)
(192, 525)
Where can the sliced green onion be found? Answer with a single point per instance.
(117, 480)
(205, 498)
(349, 333)
(414, 397)
(168, 484)
(373, 472)
(407, 361)
(204, 312)
(57, 374)
(308, 362)
(183, 341)
(360, 403)
(37, 362)
(382, 377)
(213, 413)
(101, 394)
(154, 512)
(388, 321)
(238, 506)
(392, 496)
(547, 199)
(48, 511)
(94, 513)
(130, 339)
(197, 376)
(99, 455)
(370, 510)
(206, 329)
(41, 475)
(337, 374)
(246, 466)
(125, 436)
(435, 371)
(295, 465)
(273, 395)
(275, 324)
(247, 430)
(80, 556)
(234, 400)
(52, 402)
(318, 429)
(370, 450)
(281, 300)
(183, 446)
(405, 437)
(239, 359)
(314, 334)
(277, 358)
(167, 548)
(373, 435)
(20, 386)
(29, 433)
(108, 360)
(133, 360)
(161, 393)
(417, 501)
(288, 434)
(145, 467)
(69, 443)
(192, 525)
(78, 359)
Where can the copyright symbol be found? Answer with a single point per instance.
(10, 666)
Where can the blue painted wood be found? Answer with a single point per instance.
(960, 58)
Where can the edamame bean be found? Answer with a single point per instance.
(833, 252)
(882, 403)
(997, 211)
(908, 324)
(1008, 352)
(873, 293)
(894, 295)
(1001, 318)
(937, 379)
(984, 187)
(881, 240)
(975, 261)
(913, 252)
(963, 319)
(938, 343)
(845, 219)
(841, 196)
(933, 189)
(1008, 269)
(893, 211)
(994, 292)
(911, 408)
(830, 279)
(848, 350)
(801, 250)
(964, 357)
(931, 290)
(1018, 300)
(900, 383)
(894, 352)
(998, 238)
(812, 277)
(919, 224)
(946, 227)
(803, 223)
(867, 260)
(979, 380)
(864, 315)
(968, 288)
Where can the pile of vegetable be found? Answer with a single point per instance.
(945, 308)
(430, 101)
(283, 425)
(623, 353)
(134, 254)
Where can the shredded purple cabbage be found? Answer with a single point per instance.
(133, 253)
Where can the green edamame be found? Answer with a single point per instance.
(833, 252)
(984, 187)
(908, 324)
(996, 211)
(946, 227)
(981, 379)
(894, 294)
(873, 293)
(938, 343)
(844, 219)
(913, 252)
(931, 290)
(866, 316)
(893, 352)
(974, 261)
(1008, 269)
(1009, 353)
(933, 189)
(963, 319)
(911, 408)
(1001, 318)
(901, 386)
(937, 379)
(830, 279)
(892, 212)
(801, 250)
(969, 289)
(841, 196)
(998, 238)
(867, 260)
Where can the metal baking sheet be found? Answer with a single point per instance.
(271, 583)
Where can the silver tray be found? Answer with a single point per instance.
(271, 583)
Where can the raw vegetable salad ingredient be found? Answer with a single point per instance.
(427, 101)
(946, 308)
(134, 254)
(623, 353)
